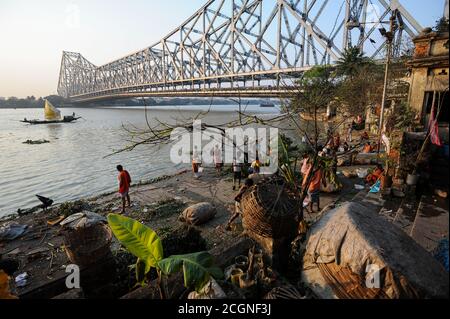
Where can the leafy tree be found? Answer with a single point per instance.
(351, 62)
(361, 90)
(441, 25)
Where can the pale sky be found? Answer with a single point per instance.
(33, 34)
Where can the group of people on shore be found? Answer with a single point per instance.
(312, 175)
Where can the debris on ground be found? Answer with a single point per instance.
(70, 208)
(211, 290)
(12, 231)
(21, 280)
(5, 291)
(441, 253)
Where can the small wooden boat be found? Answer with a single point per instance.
(52, 116)
(66, 119)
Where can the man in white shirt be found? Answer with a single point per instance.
(218, 159)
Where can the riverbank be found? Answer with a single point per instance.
(73, 165)
(157, 204)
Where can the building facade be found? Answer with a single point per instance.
(429, 82)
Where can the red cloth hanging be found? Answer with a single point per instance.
(434, 129)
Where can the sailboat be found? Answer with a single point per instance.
(52, 115)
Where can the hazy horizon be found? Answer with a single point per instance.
(34, 34)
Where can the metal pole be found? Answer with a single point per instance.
(390, 39)
(446, 9)
(386, 78)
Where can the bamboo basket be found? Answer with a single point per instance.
(85, 246)
(270, 209)
(284, 293)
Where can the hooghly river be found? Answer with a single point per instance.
(73, 164)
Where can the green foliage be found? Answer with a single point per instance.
(287, 160)
(318, 73)
(33, 102)
(140, 240)
(140, 272)
(328, 164)
(197, 268)
(351, 62)
(441, 25)
(316, 90)
(71, 208)
(360, 81)
(145, 244)
(402, 118)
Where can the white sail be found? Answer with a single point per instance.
(51, 112)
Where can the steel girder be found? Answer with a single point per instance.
(230, 44)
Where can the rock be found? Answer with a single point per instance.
(198, 214)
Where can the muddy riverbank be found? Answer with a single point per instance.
(157, 204)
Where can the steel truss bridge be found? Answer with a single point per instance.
(248, 48)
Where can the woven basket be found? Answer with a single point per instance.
(270, 209)
(286, 292)
(86, 246)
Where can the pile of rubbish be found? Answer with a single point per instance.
(249, 277)
(11, 231)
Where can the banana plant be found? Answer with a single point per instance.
(145, 244)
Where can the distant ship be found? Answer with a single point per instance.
(267, 104)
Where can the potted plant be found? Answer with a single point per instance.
(386, 178)
(198, 268)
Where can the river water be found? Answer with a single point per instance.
(73, 164)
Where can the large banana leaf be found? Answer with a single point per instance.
(140, 240)
(197, 268)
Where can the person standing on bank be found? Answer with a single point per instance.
(124, 187)
(315, 186)
(217, 154)
(237, 173)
